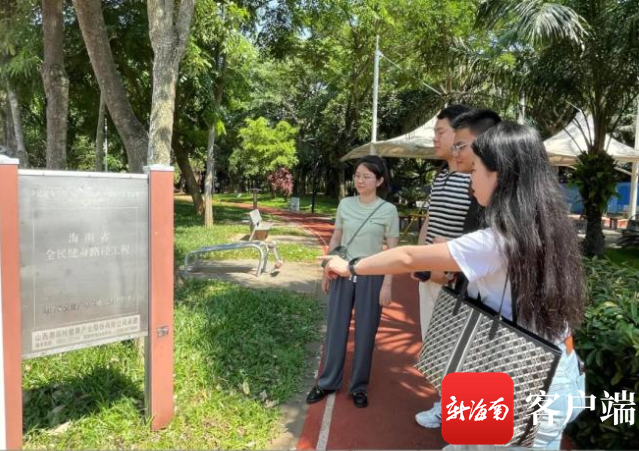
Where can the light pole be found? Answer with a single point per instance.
(373, 150)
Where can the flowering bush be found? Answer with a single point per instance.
(281, 182)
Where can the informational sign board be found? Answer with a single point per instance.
(84, 246)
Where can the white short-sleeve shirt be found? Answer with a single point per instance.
(479, 257)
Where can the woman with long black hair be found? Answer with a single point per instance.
(528, 245)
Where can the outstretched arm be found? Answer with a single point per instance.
(400, 260)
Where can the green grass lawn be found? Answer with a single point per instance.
(190, 234)
(238, 354)
(628, 256)
(323, 205)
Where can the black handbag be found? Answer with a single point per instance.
(342, 251)
(465, 335)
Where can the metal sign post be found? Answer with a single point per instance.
(159, 342)
(10, 358)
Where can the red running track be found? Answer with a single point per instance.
(396, 392)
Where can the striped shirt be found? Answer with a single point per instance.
(448, 205)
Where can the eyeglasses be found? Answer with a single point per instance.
(457, 148)
(363, 177)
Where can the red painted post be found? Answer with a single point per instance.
(159, 343)
(11, 429)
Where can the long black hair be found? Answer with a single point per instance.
(378, 167)
(528, 211)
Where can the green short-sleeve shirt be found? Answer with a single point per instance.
(351, 213)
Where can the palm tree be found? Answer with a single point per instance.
(585, 52)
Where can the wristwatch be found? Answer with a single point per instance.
(450, 276)
(351, 267)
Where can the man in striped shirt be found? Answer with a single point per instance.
(467, 127)
(449, 202)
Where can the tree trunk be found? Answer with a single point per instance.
(56, 84)
(193, 187)
(602, 181)
(16, 118)
(99, 137)
(169, 42)
(95, 37)
(331, 176)
(300, 182)
(8, 136)
(594, 240)
(209, 183)
(3, 123)
(209, 188)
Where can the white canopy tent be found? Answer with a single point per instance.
(565, 147)
(415, 144)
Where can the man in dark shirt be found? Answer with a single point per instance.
(467, 126)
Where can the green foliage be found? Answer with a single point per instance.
(411, 194)
(608, 342)
(595, 176)
(264, 149)
(20, 48)
(238, 354)
(624, 256)
(83, 151)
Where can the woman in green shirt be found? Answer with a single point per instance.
(361, 225)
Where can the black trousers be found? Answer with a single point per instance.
(345, 295)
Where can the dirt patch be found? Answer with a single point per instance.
(302, 278)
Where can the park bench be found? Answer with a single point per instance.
(258, 235)
(630, 235)
(259, 228)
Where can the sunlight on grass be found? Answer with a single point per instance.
(190, 234)
(238, 354)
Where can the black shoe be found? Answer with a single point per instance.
(360, 399)
(316, 394)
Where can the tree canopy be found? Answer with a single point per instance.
(310, 64)
(263, 149)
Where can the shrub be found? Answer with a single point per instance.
(412, 194)
(281, 182)
(608, 342)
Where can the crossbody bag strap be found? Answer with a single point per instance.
(513, 304)
(364, 223)
(462, 291)
(503, 295)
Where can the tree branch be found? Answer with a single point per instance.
(183, 24)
